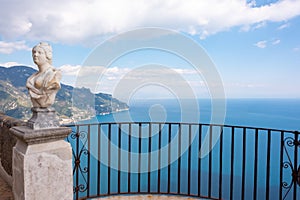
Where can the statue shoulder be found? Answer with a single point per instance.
(30, 78)
(57, 73)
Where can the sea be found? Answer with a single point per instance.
(262, 113)
(277, 114)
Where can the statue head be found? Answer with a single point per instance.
(44, 84)
(47, 50)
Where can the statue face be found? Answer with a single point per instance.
(39, 56)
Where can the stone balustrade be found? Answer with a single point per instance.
(37, 164)
(7, 142)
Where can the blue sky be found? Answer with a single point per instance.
(255, 45)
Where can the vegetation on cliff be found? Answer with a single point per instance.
(15, 101)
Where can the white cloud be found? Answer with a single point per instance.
(246, 89)
(12, 64)
(85, 21)
(252, 27)
(260, 25)
(284, 26)
(70, 70)
(296, 49)
(243, 85)
(275, 42)
(245, 28)
(261, 44)
(185, 71)
(9, 64)
(101, 79)
(10, 47)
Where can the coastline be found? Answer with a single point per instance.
(67, 121)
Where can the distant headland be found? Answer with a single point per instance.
(15, 101)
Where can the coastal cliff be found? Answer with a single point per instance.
(15, 102)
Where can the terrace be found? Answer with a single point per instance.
(149, 160)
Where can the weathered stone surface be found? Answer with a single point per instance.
(5, 190)
(43, 118)
(7, 142)
(42, 164)
(30, 136)
(43, 171)
(43, 85)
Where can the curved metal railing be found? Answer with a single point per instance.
(163, 158)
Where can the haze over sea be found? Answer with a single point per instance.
(262, 113)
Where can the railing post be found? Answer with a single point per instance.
(42, 164)
(296, 170)
(292, 163)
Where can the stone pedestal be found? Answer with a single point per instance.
(42, 164)
(43, 118)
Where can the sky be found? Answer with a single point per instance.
(253, 45)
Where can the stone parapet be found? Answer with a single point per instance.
(30, 136)
(42, 164)
(7, 142)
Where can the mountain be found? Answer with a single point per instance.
(15, 100)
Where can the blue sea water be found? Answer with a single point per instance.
(263, 113)
(283, 114)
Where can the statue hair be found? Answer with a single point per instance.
(47, 49)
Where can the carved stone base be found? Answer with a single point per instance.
(43, 171)
(43, 118)
(42, 164)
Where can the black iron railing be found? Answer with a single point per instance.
(163, 158)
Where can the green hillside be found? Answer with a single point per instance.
(15, 101)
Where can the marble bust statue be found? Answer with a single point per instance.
(44, 84)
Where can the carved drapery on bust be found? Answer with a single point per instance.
(44, 84)
(42, 87)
